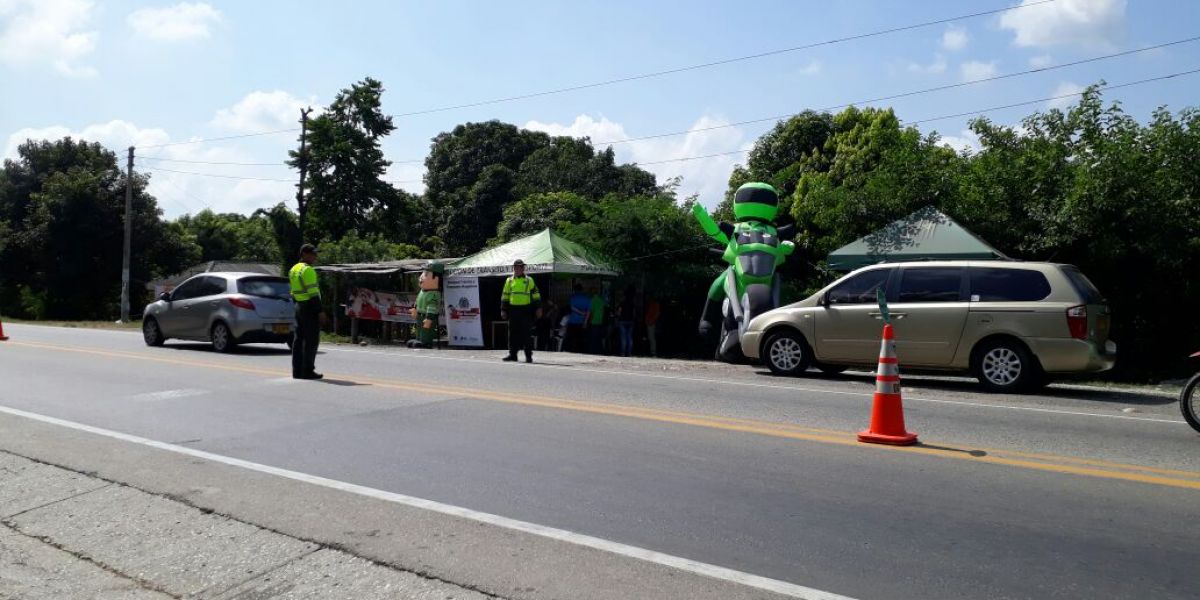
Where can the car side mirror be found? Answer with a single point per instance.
(165, 296)
(825, 300)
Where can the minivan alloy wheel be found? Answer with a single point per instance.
(786, 353)
(1002, 366)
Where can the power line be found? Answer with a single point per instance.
(972, 112)
(1041, 100)
(227, 137)
(210, 162)
(907, 94)
(724, 61)
(160, 169)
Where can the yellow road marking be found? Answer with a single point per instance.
(1041, 462)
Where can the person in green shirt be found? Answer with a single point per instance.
(428, 306)
(596, 328)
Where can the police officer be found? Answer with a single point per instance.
(520, 303)
(309, 314)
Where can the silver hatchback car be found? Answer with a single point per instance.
(226, 309)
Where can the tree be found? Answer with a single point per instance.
(346, 163)
(472, 218)
(353, 248)
(536, 212)
(64, 204)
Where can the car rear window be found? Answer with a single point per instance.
(931, 284)
(1087, 290)
(266, 287)
(1008, 285)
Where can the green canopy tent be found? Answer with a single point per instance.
(473, 284)
(927, 234)
(543, 252)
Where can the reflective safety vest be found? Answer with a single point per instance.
(303, 281)
(521, 291)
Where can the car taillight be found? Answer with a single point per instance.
(242, 303)
(1077, 322)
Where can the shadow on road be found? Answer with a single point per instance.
(969, 386)
(263, 350)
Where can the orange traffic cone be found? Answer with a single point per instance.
(887, 412)
(3, 338)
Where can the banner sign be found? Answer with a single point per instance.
(370, 305)
(464, 324)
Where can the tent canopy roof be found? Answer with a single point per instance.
(927, 234)
(387, 267)
(543, 252)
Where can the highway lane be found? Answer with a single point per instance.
(1022, 503)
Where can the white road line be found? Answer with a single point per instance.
(727, 382)
(683, 564)
(170, 394)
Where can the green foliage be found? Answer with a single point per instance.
(346, 164)
(63, 203)
(353, 248)
(231, 236)
(531, 214)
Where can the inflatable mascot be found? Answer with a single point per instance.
(753, 249)
(428, 306)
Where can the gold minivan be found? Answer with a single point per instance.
(1013, 325)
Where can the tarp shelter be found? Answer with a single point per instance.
(927, 234)
(473, 285)
(543, 252)
(391, 284)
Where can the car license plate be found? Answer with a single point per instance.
(281, 328)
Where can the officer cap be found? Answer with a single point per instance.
(307, 248)
(436, 268)
(518, 263)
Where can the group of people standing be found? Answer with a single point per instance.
(586, 323)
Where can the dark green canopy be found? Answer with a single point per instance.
(927, 234)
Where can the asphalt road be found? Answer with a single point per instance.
(1070, 494)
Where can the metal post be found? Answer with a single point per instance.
(128, 236)
(300, 207)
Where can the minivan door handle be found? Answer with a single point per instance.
(895, 315)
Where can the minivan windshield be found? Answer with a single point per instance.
(265, 287)
(1084, 286)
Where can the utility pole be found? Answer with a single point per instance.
(128, 235)
(300, 207)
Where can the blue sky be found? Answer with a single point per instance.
(148, 73)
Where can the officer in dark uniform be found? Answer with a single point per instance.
(520, 304)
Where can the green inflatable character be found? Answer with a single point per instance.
(754, 250)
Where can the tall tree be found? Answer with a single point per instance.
(346, 163)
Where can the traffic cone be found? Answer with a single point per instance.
(887, 412)
(3, 338)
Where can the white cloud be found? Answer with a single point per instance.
(965, 141)
(1041, 61)
(954, 38)
(937, 67)
(35, 33)
(1068, 89)
(172, 169)
(1095, 23)
(813, 67)
(708, 177)
(180, 23)
(263, 111)
(975, 70)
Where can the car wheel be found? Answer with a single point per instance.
(831, 369)
(786, 353)
(222, 338)
(1005, 366)
(152, 333)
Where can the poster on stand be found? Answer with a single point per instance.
(464, 325)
